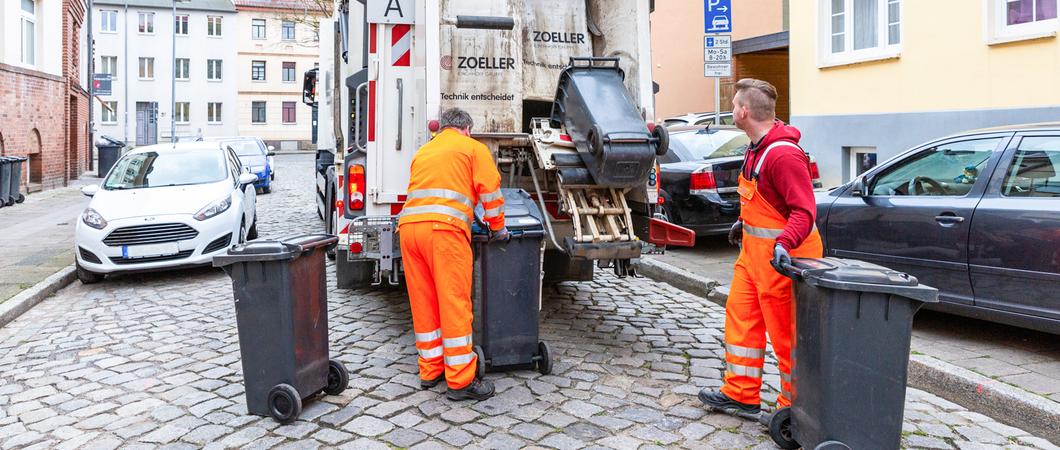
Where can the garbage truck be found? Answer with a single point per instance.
(560, 91)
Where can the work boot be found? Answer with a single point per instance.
(721, 402)
(478, 390)
(427, 384)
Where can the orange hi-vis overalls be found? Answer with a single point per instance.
(450, 174)
(760, 299)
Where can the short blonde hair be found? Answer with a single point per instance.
(760, 97)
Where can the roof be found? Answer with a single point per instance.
(195, 5)
(1042, 126)
(179, 146)
(299, 5)
(696, 128)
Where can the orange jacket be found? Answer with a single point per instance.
(449, 176)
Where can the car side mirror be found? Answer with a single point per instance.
(271, 153)
(90, 190)
(859, 187)
(247, 178)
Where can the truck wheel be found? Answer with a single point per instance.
(284, 403)
(780, 429)
(544, 365)
(338, 378)
(352, 274)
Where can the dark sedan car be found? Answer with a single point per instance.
(976, 215)
(699, 174)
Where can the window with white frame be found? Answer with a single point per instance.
(859, 30)
(147, 68)
(181, 113)
(146, 23)
(213, 69)
(109, 112)
(109, 65)
(182, 69)
(1013, 20)
(213, 26)
(108, 21)
(29, 32)
(180, 25)
(213, 112)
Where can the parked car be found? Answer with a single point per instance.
(162, 206)
(703, 118)
(256, 157)
(976, 215)
(699, 174)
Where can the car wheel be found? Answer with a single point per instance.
(88, 277)
(266, 189)
(242, 238)
(252, 233)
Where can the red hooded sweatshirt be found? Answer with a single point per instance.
(784, 182)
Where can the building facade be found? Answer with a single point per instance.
(872, 78)
(276, 45)
(157, 94)
(45, 105)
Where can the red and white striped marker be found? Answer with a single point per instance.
(401, 45)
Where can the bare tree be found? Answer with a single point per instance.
(309, 16)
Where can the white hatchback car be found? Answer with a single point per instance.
(164, 206)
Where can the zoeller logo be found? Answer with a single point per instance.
(556, 37)
(482, 62)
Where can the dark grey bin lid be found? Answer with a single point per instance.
(855, 275)
(274, 250)
(521, 214)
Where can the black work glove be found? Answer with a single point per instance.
(736, 233)
(781, 258)
(500, 235)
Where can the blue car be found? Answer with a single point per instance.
(256, 158)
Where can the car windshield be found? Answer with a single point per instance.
(708, 144)
(168, 168)
(245, 148)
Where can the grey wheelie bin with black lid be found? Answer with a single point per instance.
(506, 290)
(5, 183)
(109, 153)
(282, 315)
(853, 322)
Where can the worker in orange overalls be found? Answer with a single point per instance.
(449, 176)
(777, 213)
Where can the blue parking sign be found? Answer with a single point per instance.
(717, 16)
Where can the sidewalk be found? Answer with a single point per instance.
(38, 236)
(1005, 372)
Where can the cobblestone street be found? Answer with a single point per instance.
(152, 360)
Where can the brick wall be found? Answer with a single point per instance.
(31, 108)
(771, 66)
(77, 103)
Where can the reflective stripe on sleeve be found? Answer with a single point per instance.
(457, 342)
(441, 193)
(435, 209)
(491, 196)
(430, 353)
(494, 212)
(428, 337)
(745, 352)
(741, 370)
(459, 360)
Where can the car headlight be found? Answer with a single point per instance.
(213, 209)
(93, 219)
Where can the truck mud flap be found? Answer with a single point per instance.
(602, 250)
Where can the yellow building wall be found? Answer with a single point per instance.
(945, 64)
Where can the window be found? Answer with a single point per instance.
(862, 159)
(108, 65)
(257, 112)
(213, 69)
(946, 170)
(147, 68)
(257, 70)
(1012, 20)
(213, 26)
(108, 21)
(1033, 169)
(257, 29)
(181, 115)
(859, 30)
(29, 32)
(288, 30)
(180, 25)
(213, 112)
(109, 112)
(147, 22)
(289, 112)
(182, 69)
(288, 72)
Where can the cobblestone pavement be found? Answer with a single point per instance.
(152, 361)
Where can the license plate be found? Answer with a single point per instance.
(145, 251)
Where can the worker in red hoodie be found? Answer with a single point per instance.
(777, 212)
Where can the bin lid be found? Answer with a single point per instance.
(274, 249)
(855, 275)
(521, 214)
(109, 141)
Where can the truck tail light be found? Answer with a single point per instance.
(339, 205)
(355, 188)
(356, 247)
(702, 181)
(815, 174)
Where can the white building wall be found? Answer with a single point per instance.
(49, 35)
(128, 44)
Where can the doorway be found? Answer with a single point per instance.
(146, 123)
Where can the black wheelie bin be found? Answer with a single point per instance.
(5, 183)
(109, 152)
(281, 301)
(853, 322)
(506, 291)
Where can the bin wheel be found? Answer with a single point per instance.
(21, 198)
(780, 429)
(284, 403)
(663, 136)
(480, 370)
(832, 445)
(596, 140)
(338, 378)
(544, 365)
